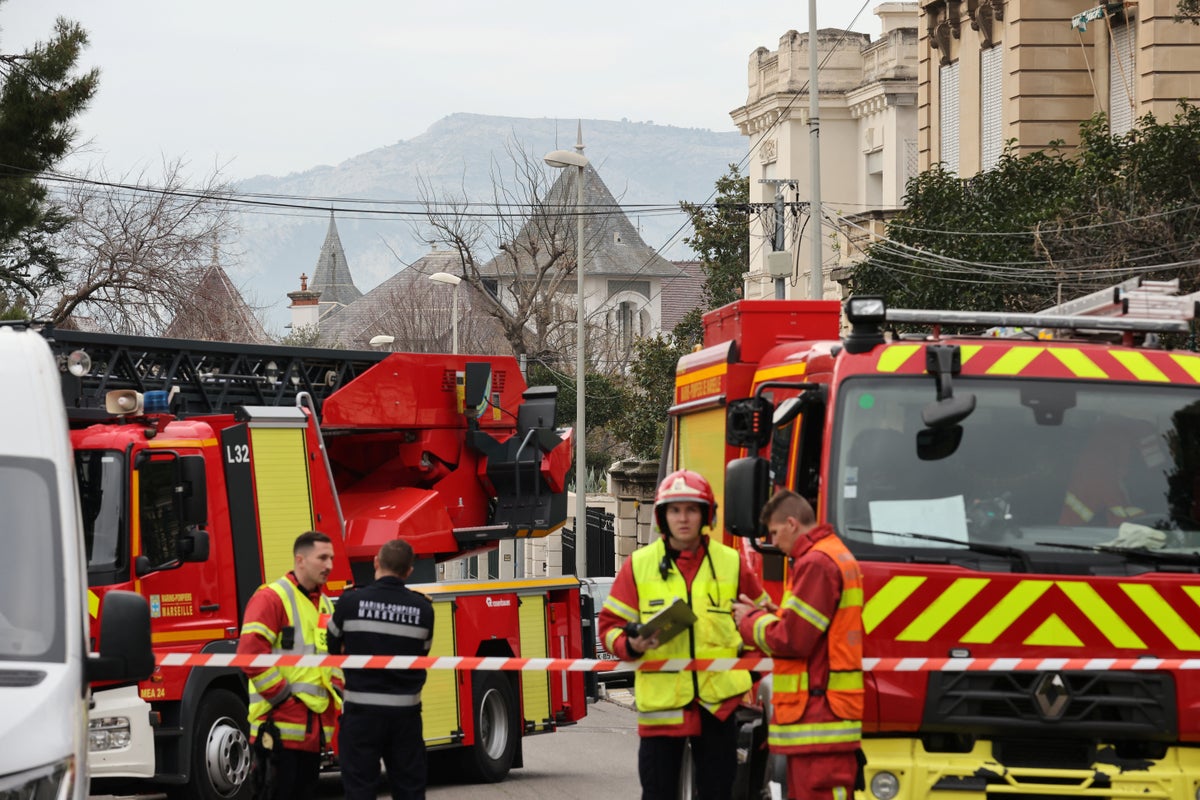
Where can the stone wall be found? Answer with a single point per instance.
(633, 483)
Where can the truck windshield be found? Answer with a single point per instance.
(1039, 463)
(101, 475)
(31, 572)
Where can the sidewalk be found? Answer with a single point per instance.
(622, 697)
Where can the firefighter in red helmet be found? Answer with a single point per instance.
(675, 707)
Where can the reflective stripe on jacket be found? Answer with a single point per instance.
(313, 686)
(791, 730)
(660, 695)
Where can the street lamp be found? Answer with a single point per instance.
(561, 159)
(451, 280)
(381, 340)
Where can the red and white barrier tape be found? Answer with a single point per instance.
(754, 663)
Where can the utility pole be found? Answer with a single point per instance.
(779, 261)
(817, 285)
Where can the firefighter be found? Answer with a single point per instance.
(382, 717)
(677, 707)
(292, 709)
(815, 639)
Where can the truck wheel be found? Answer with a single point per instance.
(220, 757)
(496, 729)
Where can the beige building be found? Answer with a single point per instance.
(868, 124)
(992, 71)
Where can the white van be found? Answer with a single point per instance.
(45, 666)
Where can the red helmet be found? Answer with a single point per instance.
(684, 486)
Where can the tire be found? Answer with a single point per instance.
(220, 757)
(496, 729)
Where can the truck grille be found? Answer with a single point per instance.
(1098, 706)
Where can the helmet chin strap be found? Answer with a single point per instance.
(670, 538)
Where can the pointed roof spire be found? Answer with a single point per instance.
(579, 138)
(332, 277)
(612, 243)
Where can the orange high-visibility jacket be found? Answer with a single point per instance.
(815, 639)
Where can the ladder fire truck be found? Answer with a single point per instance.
(1024, 500)
(199, 463)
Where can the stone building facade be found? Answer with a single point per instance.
(868, 124)
(1031, 71)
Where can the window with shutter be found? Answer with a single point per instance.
(990, 128)
(949, 114)
(1121, 77)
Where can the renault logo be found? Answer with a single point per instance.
(1051, 696)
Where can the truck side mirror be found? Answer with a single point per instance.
(125, 653)
(747, 485)
(748, 423)
(193, 546)
(195, 490)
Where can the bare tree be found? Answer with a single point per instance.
(134, 254)
(516, 250)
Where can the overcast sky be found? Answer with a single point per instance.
(279, 86)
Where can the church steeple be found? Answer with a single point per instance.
(332, 276)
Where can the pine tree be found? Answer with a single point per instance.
(40, 95)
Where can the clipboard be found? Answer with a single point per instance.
(670, 622)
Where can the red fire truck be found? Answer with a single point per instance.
(199, 463)
(1025, 504)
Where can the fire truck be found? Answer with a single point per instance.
(199, 463)
(1023, 495)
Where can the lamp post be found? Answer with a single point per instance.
(451, 280)
(381, 340)
(561, 159)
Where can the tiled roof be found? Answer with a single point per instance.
(415, 310)
(613, 246)
(682, 293)
(216, 312)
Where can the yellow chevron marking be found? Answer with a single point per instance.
(894, 357)
(1005, 613)
(521, 586)
(701, 374)
(969, 350)
(1141, 367)
(182, 443)
(1054, 633)
(193, 634)
(1108, 622)
(1190, 364)
(1078, 362)
(93, 604)
(1014, 361)
(1194, 593)
(942, 610)
(888, 599)
(782, 371)
(1161, 614)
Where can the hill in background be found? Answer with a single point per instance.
(639, 161)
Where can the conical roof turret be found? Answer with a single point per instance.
(332, 277)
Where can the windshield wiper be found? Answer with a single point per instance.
(1019, 557)
(1140, 554)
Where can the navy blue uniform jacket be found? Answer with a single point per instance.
(385, 618)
